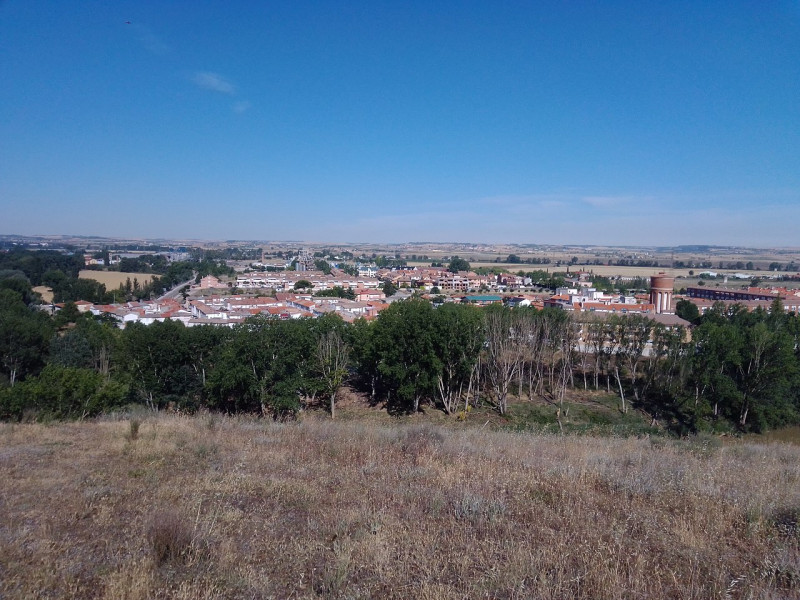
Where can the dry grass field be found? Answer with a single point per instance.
(46, 292)
(213, 507)
(113, 279)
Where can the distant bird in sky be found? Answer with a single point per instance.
(128, 23)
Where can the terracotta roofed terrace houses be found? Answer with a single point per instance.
(730, 294)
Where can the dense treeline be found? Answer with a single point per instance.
(738, 369)
(37, 264)
(21, 268)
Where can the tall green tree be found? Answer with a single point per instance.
(389, 289)
(17, 281)
(156, 360)
(457, 264)
(264, 366)
(764, 376)
(365, 357)
(203, 343)
(407, 362)
(457, 342)
(687, 310)
(25, 334)
(714, 363)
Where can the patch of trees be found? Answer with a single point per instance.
(25, 334)
(337, 292)
(322, 265)
(351, 270)
(60, 272)
(631, 262)
(515, 259)
(547, 280)
(390, 262)
(457, 264)
(232, 253)
(36, 263)
(147, 263)
(18, 282)
(67, 289)
(417, 354)
(790, 267)
(389, 288)
(679, 264)
(616, 285)
(738, 369)
(688, 310)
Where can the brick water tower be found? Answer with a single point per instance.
(661, 287)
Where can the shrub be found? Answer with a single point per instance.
(133, 432)
(420, 441)
(169, 536)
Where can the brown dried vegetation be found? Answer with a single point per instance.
(212, 507)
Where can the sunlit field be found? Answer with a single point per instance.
(214, 507)
(46, 292)
(113, 279)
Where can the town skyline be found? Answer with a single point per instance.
(615, 124)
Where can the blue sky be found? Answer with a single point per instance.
(533, 122)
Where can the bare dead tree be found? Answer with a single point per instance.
(332, 357)
(568, 339)
(633, 335)
(535, 350)
(503, 355)
(596, 341)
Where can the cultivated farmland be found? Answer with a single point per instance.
(113, 279)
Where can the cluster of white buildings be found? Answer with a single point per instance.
(427, 278)
(592, 300)
(228, 311)
(210, 305)
(421, 278)
(285, 280)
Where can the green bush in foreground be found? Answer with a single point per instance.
(62, 393)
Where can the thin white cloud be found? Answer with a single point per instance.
(213, 81)
(241, 106)
(606, 202)
(553, 204)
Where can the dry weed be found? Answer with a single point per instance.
(169, 535)
(243, 508)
